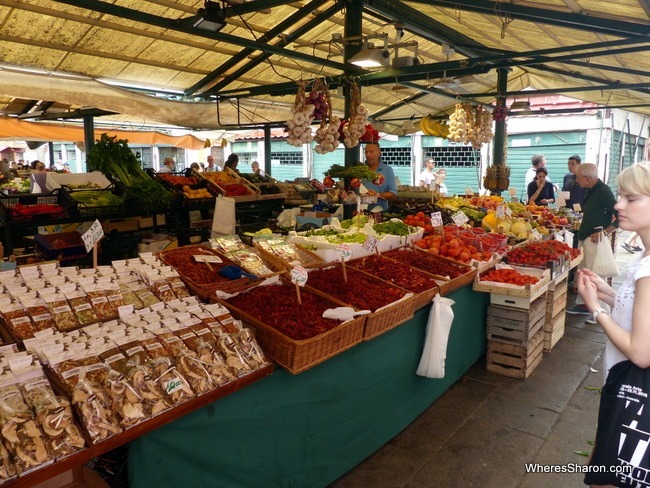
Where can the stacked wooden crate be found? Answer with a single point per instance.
(556, 300)
(515, 327)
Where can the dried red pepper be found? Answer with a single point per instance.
(428, 262)
(388, 270)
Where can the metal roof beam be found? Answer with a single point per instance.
(574, 89)
(250, 7)
(184, 25)
(321, 17)
(390, 108)
(560, 18)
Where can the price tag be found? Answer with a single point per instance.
(436, 219)
(370, 243)
(207, 258)
(17, 363)
(535, 235)
(501, 213)
(577, 207)
(512, 190)
(508, 211)
(459, 218)
(344, 251)
(299, 276)
(92, 235)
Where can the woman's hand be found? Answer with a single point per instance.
(604, 292)
(588, 291)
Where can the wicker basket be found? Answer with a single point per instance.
(307, 258)
(297, 356)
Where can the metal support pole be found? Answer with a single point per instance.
(352, 28)
(267, 150)
(89, 133)
(500, 136)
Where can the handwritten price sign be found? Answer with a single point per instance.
(459, 218)
(93, 235)
(345, 252)
(436, 219)
(370, 243)
(299, 276)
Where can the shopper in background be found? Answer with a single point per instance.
(540, 190)
(168, 165)
(570, 183)
(385, 190)
(211, 166)
(428, 176)
(628, 334)
(598, 214)
(193, 167)
(441, 175)
(5, 170)
(537, 161)
(255, 167)
(630, 244)
(38, 178)
(232, 162)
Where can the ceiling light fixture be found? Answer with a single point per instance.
(211, 17)
(371, 57)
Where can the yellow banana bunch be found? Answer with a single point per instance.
(432, 127)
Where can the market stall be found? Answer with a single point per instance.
(311, 428)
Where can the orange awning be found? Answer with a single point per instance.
(13, 128)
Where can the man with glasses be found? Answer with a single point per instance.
(598, 214)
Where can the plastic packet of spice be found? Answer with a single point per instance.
(40, 314)
(82, 308)
(101, 305)
(17, 320)
(129, 297)
(145, 295)
(62, 313)
(53, 414)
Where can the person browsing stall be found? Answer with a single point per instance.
(428, 176)
(570, 183)
(386, 190)
(442, 188)
(168, 165)
(621, 436)
(540, 190)
(232, 162)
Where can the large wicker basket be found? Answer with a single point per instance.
(297, 356)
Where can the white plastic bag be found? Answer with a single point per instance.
(599, 257)
(223, 221)
(441, 316)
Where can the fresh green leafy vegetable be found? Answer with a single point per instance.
(360, 171)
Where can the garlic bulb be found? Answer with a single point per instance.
(299, 124)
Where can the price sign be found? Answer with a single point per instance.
(459, 218)
(469, 191)
(535, 235)
(577, 207)
(508, 211)
(344, 251)
(299, 276)
(436, 219)
(92, 235)
(501, 212)
(207, 258)
(370, 243)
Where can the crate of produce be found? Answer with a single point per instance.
(423, 285)
(554, 330)
(552, 254)
(515, 326)
(286, 254)
(389, 305)
(65, 246)
(36, 207)
(295, 335)
(271, 191)
(451, 275)
(95, 180)
(230, 184)
(189, 191)
(514, 282)
(515, 361)
(97, 203)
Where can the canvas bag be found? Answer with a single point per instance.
(623, 427)
(599, 257)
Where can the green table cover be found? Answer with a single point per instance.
(307, 430)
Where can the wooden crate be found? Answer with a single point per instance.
(515, 361)
(554, 330)
(515, 326)
(555, 303)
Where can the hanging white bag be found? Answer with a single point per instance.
(224, 216)
(599, 257)
(441, 316)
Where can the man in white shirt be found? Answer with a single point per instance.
(427, 177)
(537, 161)
(211, 166)
(168, 165)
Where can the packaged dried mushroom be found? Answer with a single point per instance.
(153, 398)
(233, 354)
(251, 350)
(54, 417)
(126, 400)
(93, 406)
(176, 387)
(7, 467)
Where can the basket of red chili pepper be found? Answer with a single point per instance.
(296, 336)
(390, 305)
(35, 207)
(201, 275)
(423, 285)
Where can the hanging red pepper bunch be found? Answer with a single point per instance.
(370, 134)
(500, 112)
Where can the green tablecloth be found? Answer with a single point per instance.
(309, 429)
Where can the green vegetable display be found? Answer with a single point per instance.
(393, 228)
(112, 156)
(360, 171)
(97, 198)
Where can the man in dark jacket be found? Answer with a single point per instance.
(577, 193)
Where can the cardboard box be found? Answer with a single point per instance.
(148, 222)
(65, 246)
(318, 219)
(156, 242)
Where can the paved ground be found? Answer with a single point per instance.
(483, 430)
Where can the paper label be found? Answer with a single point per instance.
(508, 211)
(207, 258)
(535, 235)
(173, 385)
(345, 252)
(459, 218)
(436, 219)
(501, 213)
(370, 243)
(299, 275)
(93, 235)
(577, 207)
